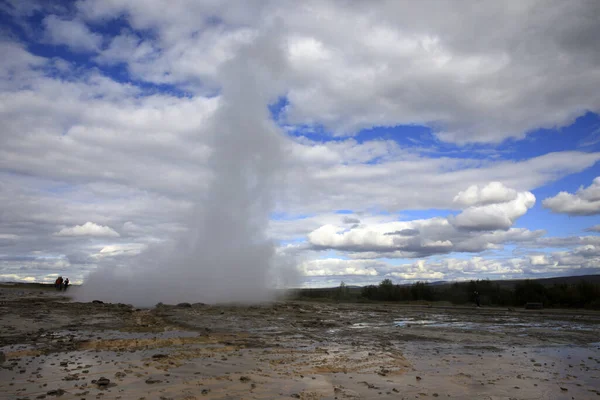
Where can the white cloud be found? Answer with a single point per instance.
(493, 192)
(114, 250)
(405, 179)
(539, 259)
(578, 261)
(595, 228)
(72, 33)
(495, 216)
(586, 201)
(124, 156)
(16, 63)
(338, 267)
(404, 63)
(88, 229)
(435, 235)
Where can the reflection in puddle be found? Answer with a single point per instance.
(497, 324)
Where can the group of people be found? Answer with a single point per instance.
(61, 284)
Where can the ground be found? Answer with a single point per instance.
(53, 347)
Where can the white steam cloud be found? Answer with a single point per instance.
(225, 255)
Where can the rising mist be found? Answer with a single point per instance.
(225, 254)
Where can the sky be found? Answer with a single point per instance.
(415, 141)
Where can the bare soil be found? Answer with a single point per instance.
(52, 347)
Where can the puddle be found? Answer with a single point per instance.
(499, 324)
(363, 325)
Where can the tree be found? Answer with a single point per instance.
(386, 290)
(342, 292)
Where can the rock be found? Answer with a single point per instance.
(120, 375)
(103, 382)
(564, 389)
(56, 392)
(157, 356)
(184, 305)
(2, 357)
(244, 379)
(97, 302)
(150, 381)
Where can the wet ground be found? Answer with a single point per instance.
(54, 348)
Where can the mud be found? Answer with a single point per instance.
(55, 348)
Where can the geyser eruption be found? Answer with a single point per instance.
(225, 254)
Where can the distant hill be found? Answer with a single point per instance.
(569, 280)
(508, 284)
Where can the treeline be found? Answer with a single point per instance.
(582, 294)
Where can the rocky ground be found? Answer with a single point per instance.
(55, 348)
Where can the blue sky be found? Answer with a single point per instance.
(409, 150)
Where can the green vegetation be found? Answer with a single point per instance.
(581, 294)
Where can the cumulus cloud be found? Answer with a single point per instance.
(493, 192)
(114, 250)
(586, 201)
(494, 216)
(339, 267)
(581, 260)
(475, 229)
(88, 229)
(403, 65)
(436, 236)
(72, 33)
(404, 232)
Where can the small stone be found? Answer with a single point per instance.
(56, 392)
(103, 382)
(157, 356)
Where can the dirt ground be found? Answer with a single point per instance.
(52, 347)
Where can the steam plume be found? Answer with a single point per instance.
(225, 255)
